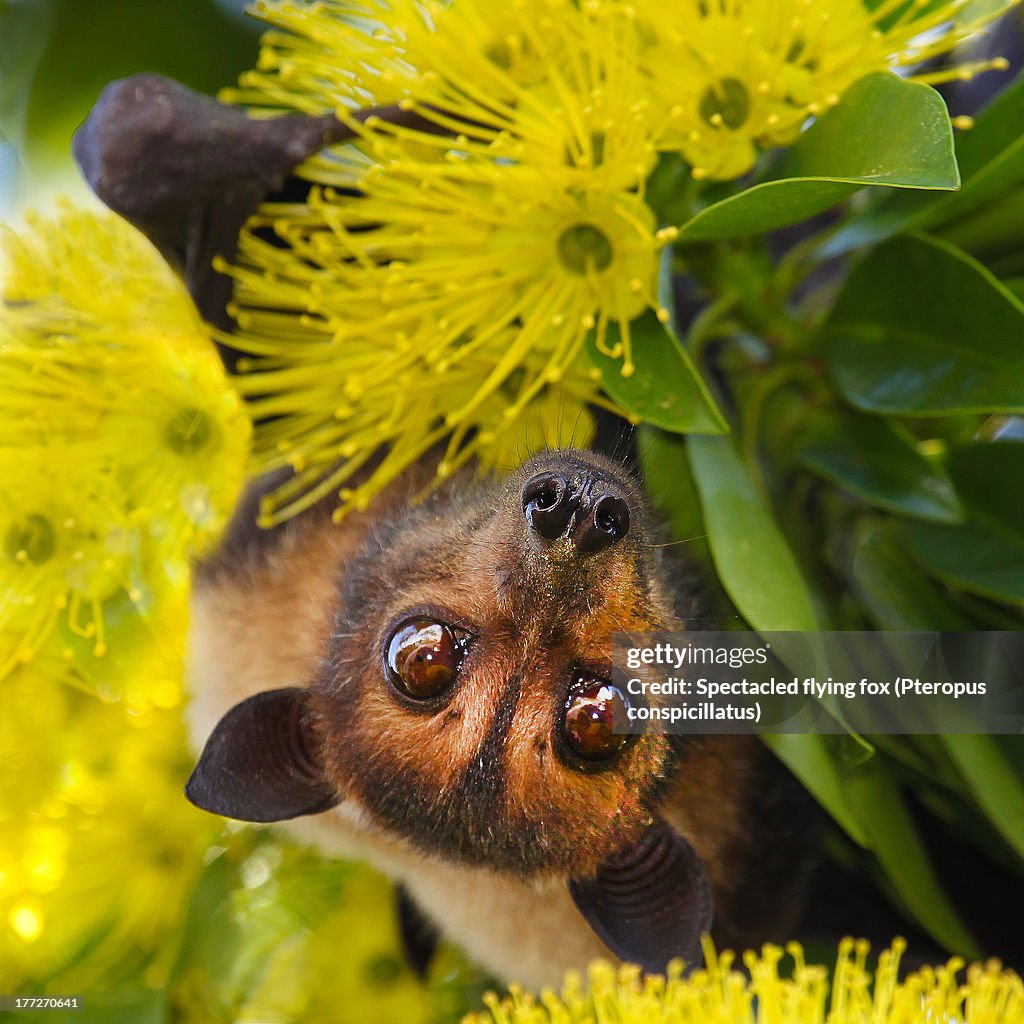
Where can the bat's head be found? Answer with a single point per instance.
(465, 700)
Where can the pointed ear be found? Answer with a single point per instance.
(650, 902)
(259, 762)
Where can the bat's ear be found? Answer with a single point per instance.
(259, 763)
(650, 902)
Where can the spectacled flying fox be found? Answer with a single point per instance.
(429, 688)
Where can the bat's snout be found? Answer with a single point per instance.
(585, 509)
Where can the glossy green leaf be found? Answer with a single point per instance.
(920, 328)
(985, 561)
(874, 793)
(879, 463)
(991, 160)
(991, 230)
(1015, 285)
(753, 561)
(666, 388)
(884, 131)
(995, 784)
(990, 478)
(670, 483)
(892, 587)
(765, 207)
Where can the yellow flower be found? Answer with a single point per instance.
(88, 272)
(471, 295)
(67, 547)
(346, 54)
(182, 443)
(122, 445)
(738, 77)
(804, 994)
(717, 82)
(440, 287)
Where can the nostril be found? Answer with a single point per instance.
(611, 516)
(547, 498)
(543, 491)
(546, 504)
(606, 523)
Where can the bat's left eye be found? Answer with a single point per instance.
(423, 657)
(590, 711)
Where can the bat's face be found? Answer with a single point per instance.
(465, 706)
(466, 703)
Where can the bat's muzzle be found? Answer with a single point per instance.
(586, 509)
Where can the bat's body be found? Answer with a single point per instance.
(420, 670)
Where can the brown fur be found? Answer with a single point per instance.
(472, 801)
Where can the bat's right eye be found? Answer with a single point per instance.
(422, 658)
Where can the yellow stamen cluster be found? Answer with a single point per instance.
(450, 302)
(739, 76)
(122, 446)
(766, 994)
(439, 283)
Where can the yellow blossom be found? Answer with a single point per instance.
(774, 992)
(67, 548)
(715, 81)
(445, 300)
(738, 76)
(299, 66)
(473, 295)
(122, 445)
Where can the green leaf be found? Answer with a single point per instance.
(881, 464)
(211, 893)
(665, 388)
(892, 587)
(994, 230)
(24, 28)
(997, 787)
(760, 575)
(884, 131)
(808, 757)
(990, 478)
(920, 328)
(1016, 286)
(753, 560)
(765, 207)
(875, 794)
(670, 483)
(985, 561)
(991, 160)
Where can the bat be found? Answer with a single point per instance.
(428, 687)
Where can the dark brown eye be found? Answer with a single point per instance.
(590, 712)
(423, 658)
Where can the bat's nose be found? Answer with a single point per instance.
(584, 508)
